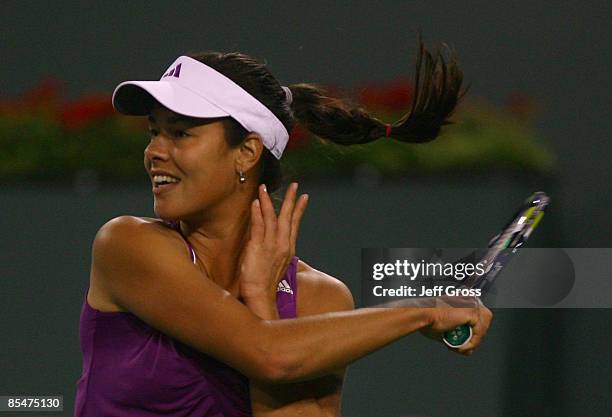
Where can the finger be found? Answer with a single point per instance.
(479, 330)
(472, 344)
(267, 211)
(457, 351)
(298, 212)
(485, 317)
(257, 222)
(286, 213)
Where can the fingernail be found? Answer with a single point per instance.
(257, 202)
(263, 187)
(306, 197)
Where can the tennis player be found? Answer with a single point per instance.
(206, 310)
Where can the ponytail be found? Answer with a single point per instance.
(437, 90)
(436, 93)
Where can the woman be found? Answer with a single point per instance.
(170, 331)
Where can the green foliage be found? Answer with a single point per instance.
(37, 145)
(480, 140)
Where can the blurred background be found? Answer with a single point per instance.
(537, 117)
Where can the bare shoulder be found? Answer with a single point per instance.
(132, 230)
(118, 234)
(133, 225)
(319, 292)
(135, 233)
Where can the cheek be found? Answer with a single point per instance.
(214, 177)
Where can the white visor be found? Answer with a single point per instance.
(194, 89)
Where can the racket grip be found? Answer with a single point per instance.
(458, 337)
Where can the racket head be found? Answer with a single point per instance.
(513, 235)
(537, 201)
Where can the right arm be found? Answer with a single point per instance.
(146, 274)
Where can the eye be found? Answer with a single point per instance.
(181, 133)
(153, 132)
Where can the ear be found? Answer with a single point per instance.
(249, 152)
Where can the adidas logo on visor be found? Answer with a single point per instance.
(174, 72)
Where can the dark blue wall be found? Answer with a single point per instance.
(545, 363)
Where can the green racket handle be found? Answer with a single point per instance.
(458, 337)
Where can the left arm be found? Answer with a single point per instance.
(317, 293)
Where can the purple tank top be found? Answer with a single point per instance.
(131, 369)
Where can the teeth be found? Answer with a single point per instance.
(163, 178)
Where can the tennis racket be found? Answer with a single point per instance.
(500, 250)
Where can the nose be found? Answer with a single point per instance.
(157, 148)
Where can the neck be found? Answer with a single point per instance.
(218, 238)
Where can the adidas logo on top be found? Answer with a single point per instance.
(284, 287)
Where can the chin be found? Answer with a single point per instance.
(167, 215)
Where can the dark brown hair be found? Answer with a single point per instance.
(437, 90)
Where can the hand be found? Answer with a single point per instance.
(446, 318)
(271, 245)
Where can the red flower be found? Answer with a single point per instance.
(520, 105)
(391, 96)
(43, 97)
(298, 137)
(85, 110)
(47, 93)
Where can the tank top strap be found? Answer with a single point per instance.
(286, 292)
(292, 274)
(176, 226)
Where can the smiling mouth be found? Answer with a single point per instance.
(162, 187)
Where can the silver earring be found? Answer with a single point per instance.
(242, 178)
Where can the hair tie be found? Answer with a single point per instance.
(388, 130)
(288, 95)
